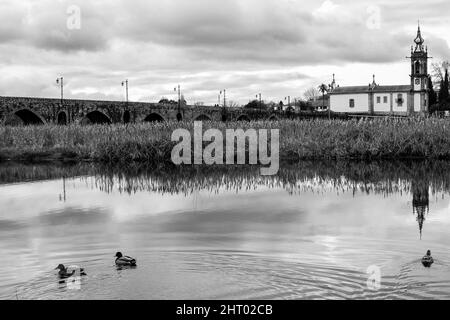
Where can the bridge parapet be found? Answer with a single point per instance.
(28, 110)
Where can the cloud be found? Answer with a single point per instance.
(158, 44)
(328, 10)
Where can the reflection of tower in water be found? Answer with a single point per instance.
(421, 202)
(63, 196)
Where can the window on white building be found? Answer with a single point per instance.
(378, 99)
(385, 99)
(400, 100)
(352, 103)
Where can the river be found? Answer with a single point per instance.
(317, 230)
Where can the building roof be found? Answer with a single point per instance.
(367, 89)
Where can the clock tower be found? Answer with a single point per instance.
(419, 76)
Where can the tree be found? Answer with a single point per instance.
(443, 92)
(311, 94)
(324, 88)
(233, 104)
(164, 100)
(304, 106)
(439, 69)
(432, 94)
(432, 97)
(254, 104)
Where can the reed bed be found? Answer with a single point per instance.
(414, 138)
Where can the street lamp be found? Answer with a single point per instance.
(260, 101)
(125, 84)
(224, 97)
(179, 97)
(60, 82)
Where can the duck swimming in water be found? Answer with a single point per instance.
(65, 273)
(427, 260)
(122, 260)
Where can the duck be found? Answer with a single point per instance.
(122, 260)
(427, 260)
(65, 273)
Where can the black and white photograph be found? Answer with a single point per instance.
(224, 150)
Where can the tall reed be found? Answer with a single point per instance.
(427, 138)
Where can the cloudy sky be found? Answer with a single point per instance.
(273, 47)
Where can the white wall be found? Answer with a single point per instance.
(404, 106)
(417, 102)
(341, 102)
(386, 107)
(382, 106)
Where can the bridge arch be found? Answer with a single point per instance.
(272, 118)
(126, 116)
(96, 117)
(154, 117)
(29, 117)
(62, 118)
(202, 117)
(243, 117)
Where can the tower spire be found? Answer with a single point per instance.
(419, 40)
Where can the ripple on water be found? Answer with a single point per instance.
(231, 275)
(417, 282)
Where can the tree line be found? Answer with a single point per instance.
(439, 101)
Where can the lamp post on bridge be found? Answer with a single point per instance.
(224, 97)
(224, 110)
(125, 84)
(60, 82)
(260, 102)
(126, 113)
(179, 98)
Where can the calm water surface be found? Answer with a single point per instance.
(226, 233)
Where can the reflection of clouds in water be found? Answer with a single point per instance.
(152, 193)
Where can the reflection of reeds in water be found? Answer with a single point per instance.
(386, 178)
(379, 178)
(374, 177)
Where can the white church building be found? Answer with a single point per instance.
(397, 99)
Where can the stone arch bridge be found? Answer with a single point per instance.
(23, 110)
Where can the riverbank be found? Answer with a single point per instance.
(420, 138)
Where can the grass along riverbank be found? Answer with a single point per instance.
(424, 138)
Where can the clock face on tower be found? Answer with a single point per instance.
(417, 81)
